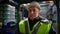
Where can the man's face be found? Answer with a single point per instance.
(33, 12)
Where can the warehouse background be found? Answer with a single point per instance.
(12, 12)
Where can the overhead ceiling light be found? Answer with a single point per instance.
(42, 4)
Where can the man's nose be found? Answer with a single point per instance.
(32, 12)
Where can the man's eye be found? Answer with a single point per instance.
(30, 10)
(34, 10)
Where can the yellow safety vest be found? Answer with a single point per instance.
(38, 28)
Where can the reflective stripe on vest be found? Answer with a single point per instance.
(26, 27)
(43, 29)
(36, 28)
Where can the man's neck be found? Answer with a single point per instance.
(35, 19)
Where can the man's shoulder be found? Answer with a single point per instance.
(22, 21)
(45, 20)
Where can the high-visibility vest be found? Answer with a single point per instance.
(38, 28)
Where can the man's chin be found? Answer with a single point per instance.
(32, 18)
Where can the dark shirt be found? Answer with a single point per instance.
(32, 23)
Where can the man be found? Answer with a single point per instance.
(35, 24)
